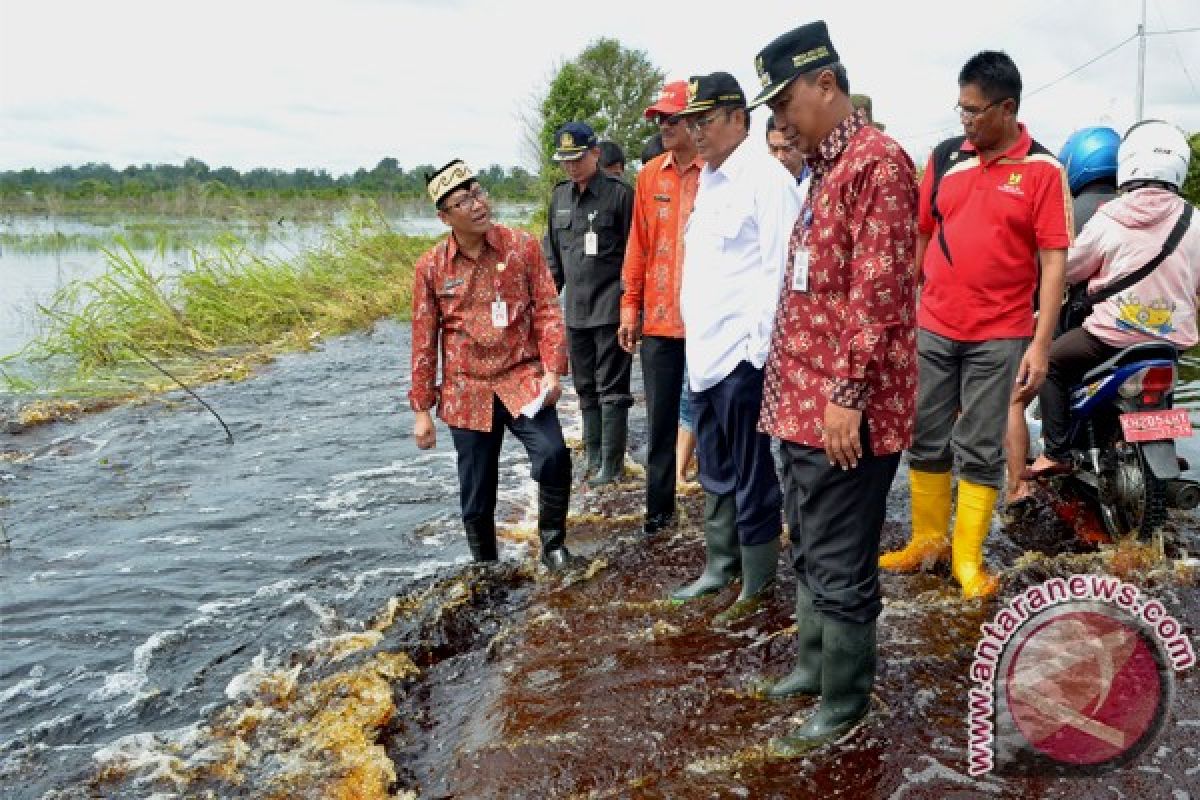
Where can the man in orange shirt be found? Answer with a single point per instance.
(651, 275)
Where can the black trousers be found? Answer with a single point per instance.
(599, 367)
(662, 375)
(479, 457)
(834, 520)
(1071, 357)
(734, 457)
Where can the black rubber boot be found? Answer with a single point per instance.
(552, 525)
(722, 554)
(591, 440)
(760, 564)
(805, 677)
(612, 445)
(847, 676)
(481, 538)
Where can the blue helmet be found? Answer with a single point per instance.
(1090, 154)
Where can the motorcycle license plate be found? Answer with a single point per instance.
(1151, 426)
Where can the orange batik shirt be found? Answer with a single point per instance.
(453, 298)
(653, 269)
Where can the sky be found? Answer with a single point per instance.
(340, 85)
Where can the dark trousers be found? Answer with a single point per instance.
(662, 375)
(734, 457)
(479, 457)
(834, 520)
(599, 367)
(1071, 357)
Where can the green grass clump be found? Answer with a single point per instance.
(229, 302)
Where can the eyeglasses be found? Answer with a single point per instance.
(697, 124)
(972, 113)
(781, 148)
(465, 202)
(665, 121)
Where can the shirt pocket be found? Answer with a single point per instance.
(728, 224)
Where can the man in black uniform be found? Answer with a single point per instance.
(588, 225)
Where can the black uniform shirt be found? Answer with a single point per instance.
(592, 295)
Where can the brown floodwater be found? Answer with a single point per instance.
(500, 682)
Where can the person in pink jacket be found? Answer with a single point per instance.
(1123, 236)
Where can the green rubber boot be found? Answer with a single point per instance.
(760, 564)
(591, 440)
(805, 677)
(847, 677)
(613, 432)
(722, 554)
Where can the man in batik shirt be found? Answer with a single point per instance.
(485, 295)
(841, 377)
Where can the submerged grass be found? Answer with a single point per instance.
(229, 308)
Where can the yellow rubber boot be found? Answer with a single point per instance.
(975, 507)
(930, 524)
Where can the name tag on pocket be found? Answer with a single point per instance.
(800, 270)
(591, 243)
(499, 314)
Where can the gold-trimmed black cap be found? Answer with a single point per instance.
(802, 50)
(705, 92)
(443, 181)
(572, 140)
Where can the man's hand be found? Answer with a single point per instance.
(1032, 371)
(550, 381)
(630, 330)
(424, 431)
(843, 443)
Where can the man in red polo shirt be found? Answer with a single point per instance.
(994, 203)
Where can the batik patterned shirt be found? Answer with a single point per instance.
(849, 337)
(454, 299)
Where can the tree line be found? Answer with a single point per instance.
(386, 177)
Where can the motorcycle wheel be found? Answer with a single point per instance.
(1140, 498)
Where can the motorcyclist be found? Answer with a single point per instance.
(1090, 159)
(1123, 236)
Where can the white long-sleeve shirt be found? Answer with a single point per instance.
(736, 247)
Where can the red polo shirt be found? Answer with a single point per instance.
(996, 217)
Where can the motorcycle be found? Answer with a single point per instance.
(1122, 433)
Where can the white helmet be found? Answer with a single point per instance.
(1153, 150)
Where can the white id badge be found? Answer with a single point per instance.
(499, 314)
(591, 243)
(800, 270)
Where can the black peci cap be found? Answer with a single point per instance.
(798, 51)
(705, 92)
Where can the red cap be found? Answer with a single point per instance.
(671, 100)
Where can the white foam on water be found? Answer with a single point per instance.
(170, 539)
(27, 686)
(217, 607)
(337, 500)
(151, 754)
(38, 577)
(209, 510)
(71, 555)
(134, 679)
(248, 682)
(936, 771)
(370, 576)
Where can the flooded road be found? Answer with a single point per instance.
(292, 616)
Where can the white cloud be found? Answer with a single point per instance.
(338, 85)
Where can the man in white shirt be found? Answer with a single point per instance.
(735, 252)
